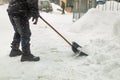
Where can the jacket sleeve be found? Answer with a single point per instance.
(33, 6)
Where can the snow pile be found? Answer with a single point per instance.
(99, 32)
(97, 23)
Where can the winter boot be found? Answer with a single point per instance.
(15, 51)
(27, 56)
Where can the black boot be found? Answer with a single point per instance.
(27, 56)
(15, 51)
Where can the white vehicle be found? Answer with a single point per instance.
(45, 5)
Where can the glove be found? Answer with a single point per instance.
(35, 20)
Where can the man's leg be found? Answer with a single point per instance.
(25, 33)
(15, 46)
(16, 41)
(63, 11)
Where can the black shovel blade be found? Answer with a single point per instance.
(75, 48)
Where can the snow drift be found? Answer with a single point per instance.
(100, 33)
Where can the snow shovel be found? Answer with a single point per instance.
(74, 45)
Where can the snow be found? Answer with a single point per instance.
(56, 9)
(97, 31)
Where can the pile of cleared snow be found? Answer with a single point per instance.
(97, 24)
(99, 32)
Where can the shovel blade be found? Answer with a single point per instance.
(76, 49)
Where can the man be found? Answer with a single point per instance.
(63, 7)
(20, 11)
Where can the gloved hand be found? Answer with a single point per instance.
(35, 20)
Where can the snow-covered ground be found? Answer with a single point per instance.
(97, 31)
